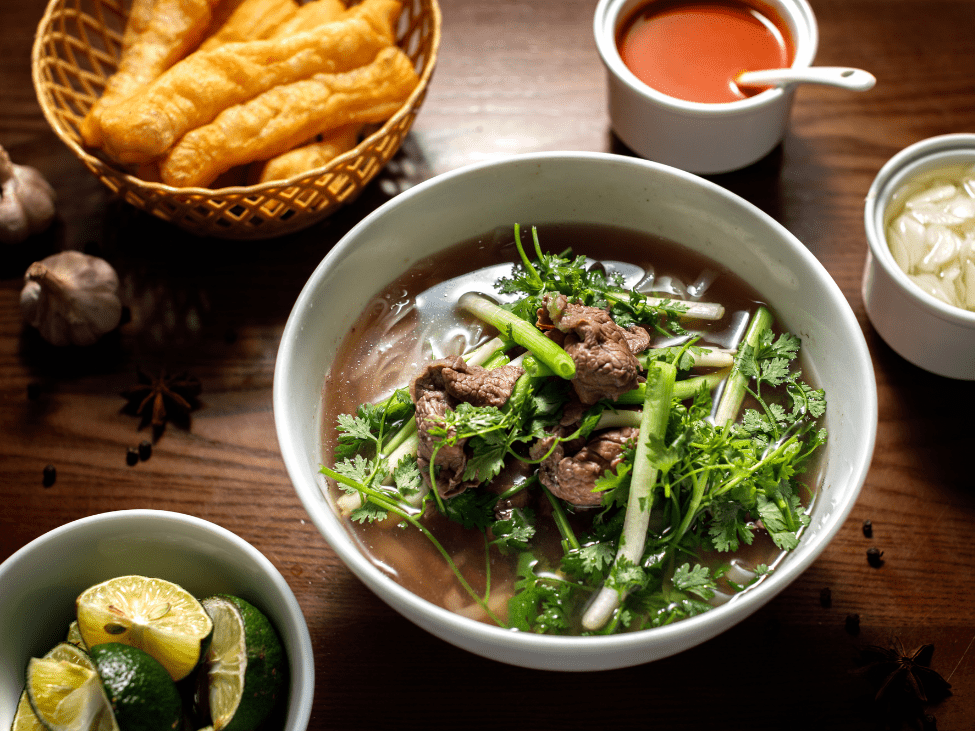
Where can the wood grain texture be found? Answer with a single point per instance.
(513, 76)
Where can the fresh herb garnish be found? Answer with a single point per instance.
(700, 478)
(587, 284)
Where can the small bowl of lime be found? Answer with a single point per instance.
(121, 617)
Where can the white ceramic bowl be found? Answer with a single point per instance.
(40, 582)
(694, 136)
(924, 330)
(587, 188)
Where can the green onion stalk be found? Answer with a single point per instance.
(653, 427)
(734, 390)
(521, 332)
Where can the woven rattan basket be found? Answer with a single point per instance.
(76, 50)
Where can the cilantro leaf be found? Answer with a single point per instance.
(729, 526)
(472, 508)
(361, 470)
(539, 603)
(372, 424)
(591, 560)
(514, 533)
(695, 580)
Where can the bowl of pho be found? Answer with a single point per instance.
(574, 411)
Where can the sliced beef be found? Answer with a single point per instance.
(605, 365)
(480, 386)
(572, 412)
(571, 470)
(440, 387)
(432, 402)
(637, 339)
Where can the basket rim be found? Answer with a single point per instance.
(97, 164)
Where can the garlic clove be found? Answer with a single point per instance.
(26, 201)
(14, 225)
(71, 298)
(36, 198)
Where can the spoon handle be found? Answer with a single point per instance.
(842, 76)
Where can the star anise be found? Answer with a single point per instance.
(162, 398)
(906, 674)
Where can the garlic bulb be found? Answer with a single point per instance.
(26, 201)
(72, 298)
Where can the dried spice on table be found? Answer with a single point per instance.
(905, 681)
(158, 399)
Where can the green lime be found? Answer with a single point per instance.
(246, 668)
(142, 694)
(154, 615)
(64, 693)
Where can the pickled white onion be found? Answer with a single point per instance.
(930, 226)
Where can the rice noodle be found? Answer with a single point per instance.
(930, 226)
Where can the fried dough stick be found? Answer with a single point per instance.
(194, 91)
(312, 155)
(287, 115)
(247, 20)
(311, 15)
(157, 34)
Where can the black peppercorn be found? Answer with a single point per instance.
(868, 528)
(145, 449)
(826, 597)
(131, 456)
(50, 475)
(875, 557)
(853, 624)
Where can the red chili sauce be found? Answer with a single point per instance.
(693, 50)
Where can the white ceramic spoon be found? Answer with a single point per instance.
(842, 76)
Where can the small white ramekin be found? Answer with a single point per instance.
(694, 136)
(929, 333)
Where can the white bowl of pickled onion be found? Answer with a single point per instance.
(919, 278)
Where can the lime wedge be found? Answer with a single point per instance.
(24, 718)
(246, 667)
(154, 615)
(142, 694)
(65, 693)
(74, 636)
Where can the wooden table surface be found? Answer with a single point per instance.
(513, 76)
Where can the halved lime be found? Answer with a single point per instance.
(142, 694)
(65, 693)
(154, 615)
(246, 666)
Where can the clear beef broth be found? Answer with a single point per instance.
(402, 327)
